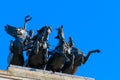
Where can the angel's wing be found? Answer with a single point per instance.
(11, 30)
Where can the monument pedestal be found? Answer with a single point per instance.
(24, 73)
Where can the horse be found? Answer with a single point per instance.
(58, 58)
(38, 56)
(79, 59)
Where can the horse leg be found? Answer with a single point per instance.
(45, 55)
(25, 63)
(67, 59)
(73, 57)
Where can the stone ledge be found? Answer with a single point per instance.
(24, 73)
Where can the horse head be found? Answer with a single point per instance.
(44, 33)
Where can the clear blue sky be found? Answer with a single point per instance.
(93, 24)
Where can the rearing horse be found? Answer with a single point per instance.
(39, 54)
(57, 60)
(77, 58)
